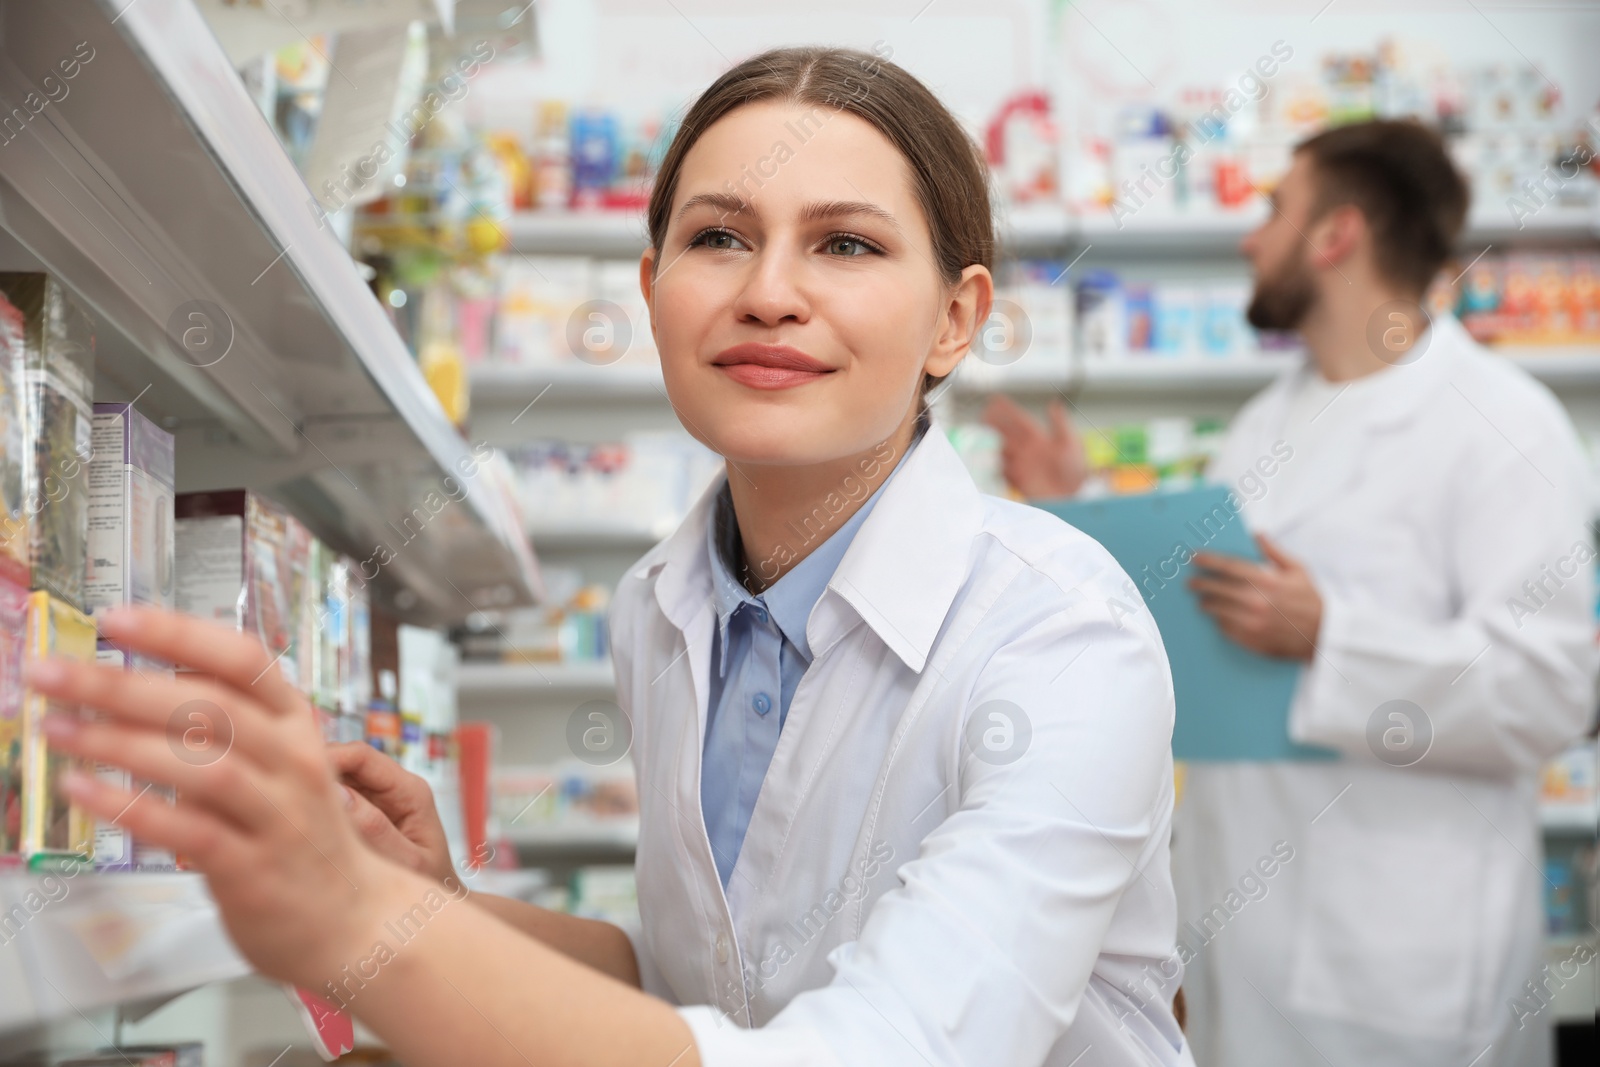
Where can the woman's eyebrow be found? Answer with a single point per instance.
(819, 210)
(727, 204)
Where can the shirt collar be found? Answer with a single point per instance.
(899, 575)
(791, 598)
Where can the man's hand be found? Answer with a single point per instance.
(393, 809)
(1039, 463)
(1271, 608)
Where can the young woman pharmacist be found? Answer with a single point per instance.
(905, 782)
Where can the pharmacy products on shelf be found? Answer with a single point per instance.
(131, 478)
(1527, 299)
(643, 484)
(13, 649)
(51, 826)
(58, 380)
(244, 563)
(115, 846)
(13, 484)
(1121, 318)
(562, 310)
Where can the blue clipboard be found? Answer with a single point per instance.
(1231, 703)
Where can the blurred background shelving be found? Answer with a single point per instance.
(391, 317)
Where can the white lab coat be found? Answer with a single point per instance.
(898, 899)
(1404, 927)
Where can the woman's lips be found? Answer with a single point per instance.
(770, 366)
(760, 376)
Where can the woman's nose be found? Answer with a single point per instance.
(773, 291)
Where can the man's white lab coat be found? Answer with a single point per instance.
(1444, 519)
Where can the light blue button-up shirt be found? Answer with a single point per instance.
(758, 653)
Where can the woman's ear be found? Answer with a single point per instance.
(647, 286)
(965, 311)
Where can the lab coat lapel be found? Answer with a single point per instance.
(899, 577)
(909, 558)
(1331, 471)
(683, 591)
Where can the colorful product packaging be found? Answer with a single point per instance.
(13, 484)
(13, 647)
(244, 561)
(355, 657)
(321, 636)
(58, 384)
(115, 847)
(131, 479)
(52, 828)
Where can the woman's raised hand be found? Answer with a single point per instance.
(393, 809)
(260, 811)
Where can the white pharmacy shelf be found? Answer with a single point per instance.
(606, 234)
(189, 223)
(622, 234)
(71, 945)
(1577, 819)
(570, 536)
(1242, 372)
(1563, 366)
(575, 834)
(517, 386)
(1050, 229)
(1216, 232)
(541, 679)
(510, 387)
(1577, 999)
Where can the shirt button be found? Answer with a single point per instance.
(762, 703)
(761, 615)
(722, 948)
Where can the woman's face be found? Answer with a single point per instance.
(796, 304)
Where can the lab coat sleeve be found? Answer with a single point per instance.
(1508, 681)
(983, 953)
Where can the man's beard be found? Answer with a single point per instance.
(1281, 301)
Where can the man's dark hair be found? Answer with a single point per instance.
(1400, 176)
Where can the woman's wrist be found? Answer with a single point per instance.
(366, 931)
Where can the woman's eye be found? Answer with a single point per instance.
(720, 240)
(842, 245)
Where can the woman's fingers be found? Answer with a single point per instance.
(202, 714)
(180, 828)
(236, 659)
(376, 776)
(228, 789)
(382, 836)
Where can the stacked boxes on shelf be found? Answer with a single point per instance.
(47, 363)
(89, 520)
(570, 627)
(1029, 331)
(249, 563)
(554, 310)
(1121, 318)
(1209, 149)
(130, 561)
(1532, 300)
(535, 800)
(644, 483)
